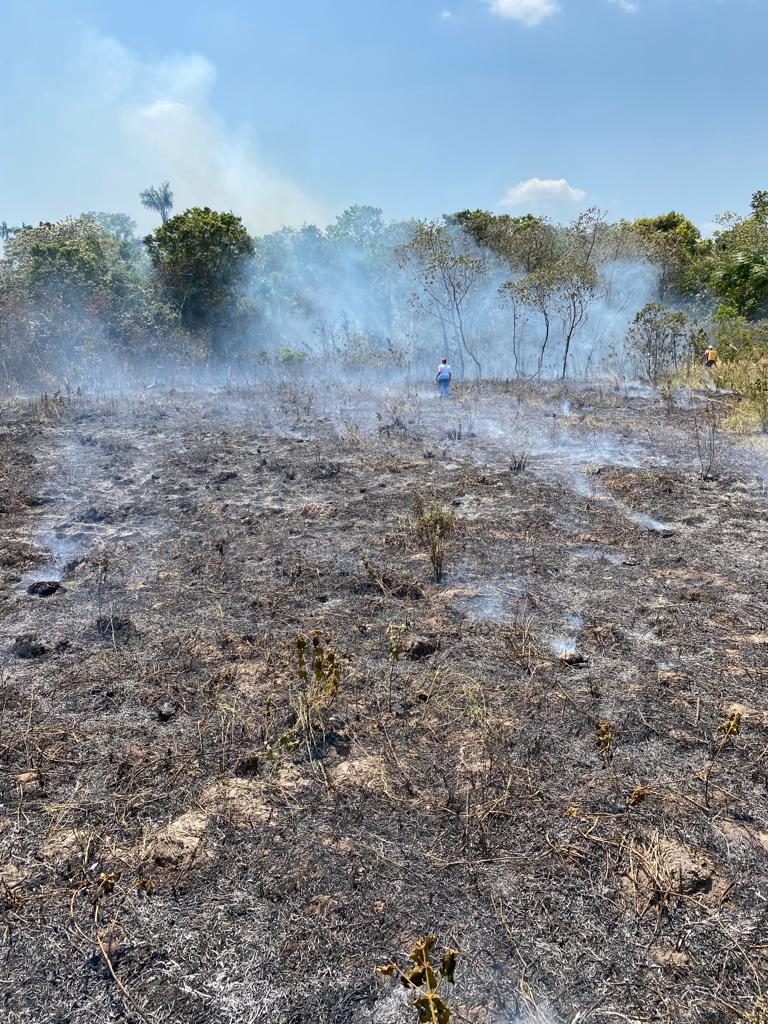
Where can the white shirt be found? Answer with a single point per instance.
(444, 371)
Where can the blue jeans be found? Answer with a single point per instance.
(443, 385)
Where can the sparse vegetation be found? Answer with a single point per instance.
(748, 377)
(283, 728)
(706, 426)
(426, 980)
(728, 729)
(319, 670)
(433, 525)
(605, 739)
(658, 338)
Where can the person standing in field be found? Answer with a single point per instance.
(443, 377)
(710, 357)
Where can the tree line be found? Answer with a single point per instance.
(495, 293)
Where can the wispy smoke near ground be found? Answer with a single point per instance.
(323, 295)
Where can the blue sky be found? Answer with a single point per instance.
(290, 111)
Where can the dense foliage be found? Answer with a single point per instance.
(200, 261)
(75, 294)
(497, 294)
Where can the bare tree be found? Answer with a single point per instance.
(514, 301)
(578, 279)
(447, 270)
(584, 235)
(537, 291)
(576, 289)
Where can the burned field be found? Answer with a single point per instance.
(250, 748)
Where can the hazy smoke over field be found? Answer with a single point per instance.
(329, 302)
(337, 296)
(344, 295)
(114, 122)
(359, 296)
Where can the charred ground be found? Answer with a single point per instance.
(185, 836)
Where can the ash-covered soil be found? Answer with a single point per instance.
(555, 760)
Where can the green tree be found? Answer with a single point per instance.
(759, 205)
(200, 258)
(536, 291)
(674, 225)
(118, 225)
(659, 339)
(674, 245)
(361, 226)
(73, 260)
(576, 285)
(741, 279)
(122, 229)
(524, 244)
(71, 294)
(739, 261)
(159, 198)
(479, 224)
(738, 338)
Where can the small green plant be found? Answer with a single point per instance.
(285, 742)
(291, 357)
(434, 526)
(319, 670)
(395, 634)
(605, 740)
(425, 981)
(729, 728)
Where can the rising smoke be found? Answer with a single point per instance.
(335, 297)
(354, 299)
(110, 123)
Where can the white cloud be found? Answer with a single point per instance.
(529, 12)
(628, 6)
(446, 15)
(542, 193)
